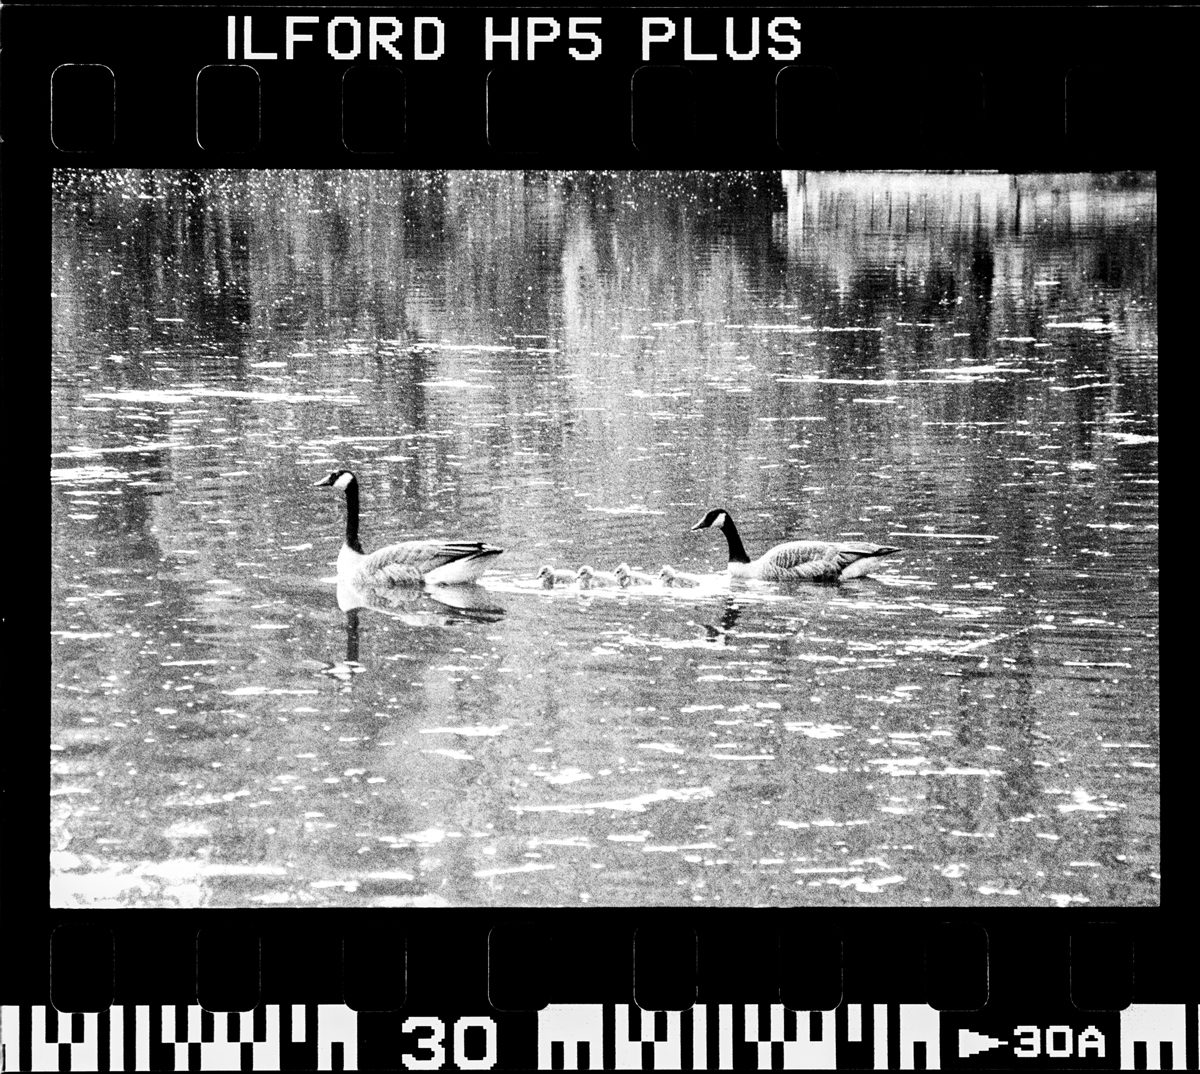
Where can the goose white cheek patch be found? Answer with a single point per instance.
(342, 482)
(719, 521)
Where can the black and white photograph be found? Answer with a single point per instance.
(540, 539)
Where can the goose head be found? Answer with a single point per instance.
(546, 572)
(667, 574)
(622, 572)
(338, 479)
(718, 516)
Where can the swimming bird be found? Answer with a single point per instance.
(551, 577)
(671, 577)
(593, 579)
(408, 563)
(626, 576)
(813, 561)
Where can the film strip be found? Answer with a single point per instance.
(585, 1037)
(354, 208)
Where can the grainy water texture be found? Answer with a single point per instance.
(576, 367)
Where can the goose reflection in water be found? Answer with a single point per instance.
(345, 670)
(433, 606)
(729, 618)
(411, 604)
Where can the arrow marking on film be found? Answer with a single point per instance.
(972, 1043)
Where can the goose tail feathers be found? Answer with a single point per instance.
(860, 558)
(467, 567)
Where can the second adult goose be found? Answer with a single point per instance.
(407, 563)
(812, 561)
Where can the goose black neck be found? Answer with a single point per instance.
(737, 550)
(352, 517)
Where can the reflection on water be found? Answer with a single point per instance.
(576, 367)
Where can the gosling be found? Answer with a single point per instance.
(626, 576)
(550, 577)
(671, 577)
(593, 579)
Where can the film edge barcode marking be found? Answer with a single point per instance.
(591, 1036)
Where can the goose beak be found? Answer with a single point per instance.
(323, 482)
(701, 525)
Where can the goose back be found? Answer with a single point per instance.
(815, 561)
(434, 562)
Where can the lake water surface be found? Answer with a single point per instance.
(576, 367)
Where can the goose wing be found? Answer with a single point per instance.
(801, 559)
(802, 554)
(411, 560)
(393, 574)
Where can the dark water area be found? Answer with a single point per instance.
(576, 367)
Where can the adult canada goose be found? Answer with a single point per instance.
(813, 561)
(593, 579)
(406, 563)
(626, 576)
(671, 577)
(551, 577)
